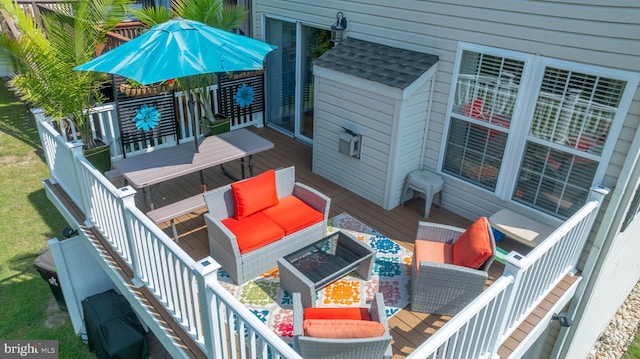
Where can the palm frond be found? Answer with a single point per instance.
(150, 16)
(211, 12)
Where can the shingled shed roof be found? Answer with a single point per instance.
(388, 65)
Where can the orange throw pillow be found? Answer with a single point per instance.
(473, 247)
(342, 328)
(255, 194)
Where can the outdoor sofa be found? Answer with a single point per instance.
(252, 223)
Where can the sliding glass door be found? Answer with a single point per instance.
(289, 80)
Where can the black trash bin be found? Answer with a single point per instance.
(47, 269)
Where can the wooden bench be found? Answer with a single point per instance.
(174, 210)
(113, 175)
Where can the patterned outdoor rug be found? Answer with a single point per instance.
(264, 297)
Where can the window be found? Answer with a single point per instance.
(570, 125)
(634, 210)
(530, 129)
(483, 103)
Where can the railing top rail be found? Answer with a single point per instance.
(557, 235)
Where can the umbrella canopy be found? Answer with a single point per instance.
(180, 48)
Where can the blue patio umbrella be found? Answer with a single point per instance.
(181, 48)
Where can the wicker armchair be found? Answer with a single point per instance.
(441, 287)
(312, 347)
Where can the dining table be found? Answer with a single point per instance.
(157, 166)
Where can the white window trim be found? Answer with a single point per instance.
(532, 76)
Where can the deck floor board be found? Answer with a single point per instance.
(409, 329)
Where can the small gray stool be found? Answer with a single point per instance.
(426, 182)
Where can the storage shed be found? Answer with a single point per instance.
(371, 116)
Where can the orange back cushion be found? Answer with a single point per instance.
(337, 313)
(342, 328)
(255, 194)
(473, 247)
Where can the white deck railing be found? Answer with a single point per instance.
(224, 328)
(104, 125)
(480, 328)
(188, 290)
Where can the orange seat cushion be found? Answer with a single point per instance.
(432, 252)
(337, 313)
(342, 328)
(255, 194)
(254, 231)
(473, 247)
(292, 214)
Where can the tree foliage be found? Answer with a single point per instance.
(47, 54)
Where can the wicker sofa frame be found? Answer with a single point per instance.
(310, 347)
(223, 246)
(445, 289)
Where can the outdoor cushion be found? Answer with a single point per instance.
(337, 313)
(342, 328)
(254, 231)
(292, 214)
(475, 108)
(473, 247)
(255, 194)
(432, 252)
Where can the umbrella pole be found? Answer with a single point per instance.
(191, 107)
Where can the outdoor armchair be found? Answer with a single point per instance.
(450, 266)
(341, 322)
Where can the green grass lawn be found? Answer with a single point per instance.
(27, 221)
(634, 349)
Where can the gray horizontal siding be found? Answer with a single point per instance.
(595, 32)
(6, 65)
(365, 113)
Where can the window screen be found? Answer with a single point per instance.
(485, 94)
(571, 121)
(551, 121)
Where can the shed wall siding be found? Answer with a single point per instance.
(365, 113)
(408, 143)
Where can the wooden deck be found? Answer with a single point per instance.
(409, 329)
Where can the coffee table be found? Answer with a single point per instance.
(321, 263)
